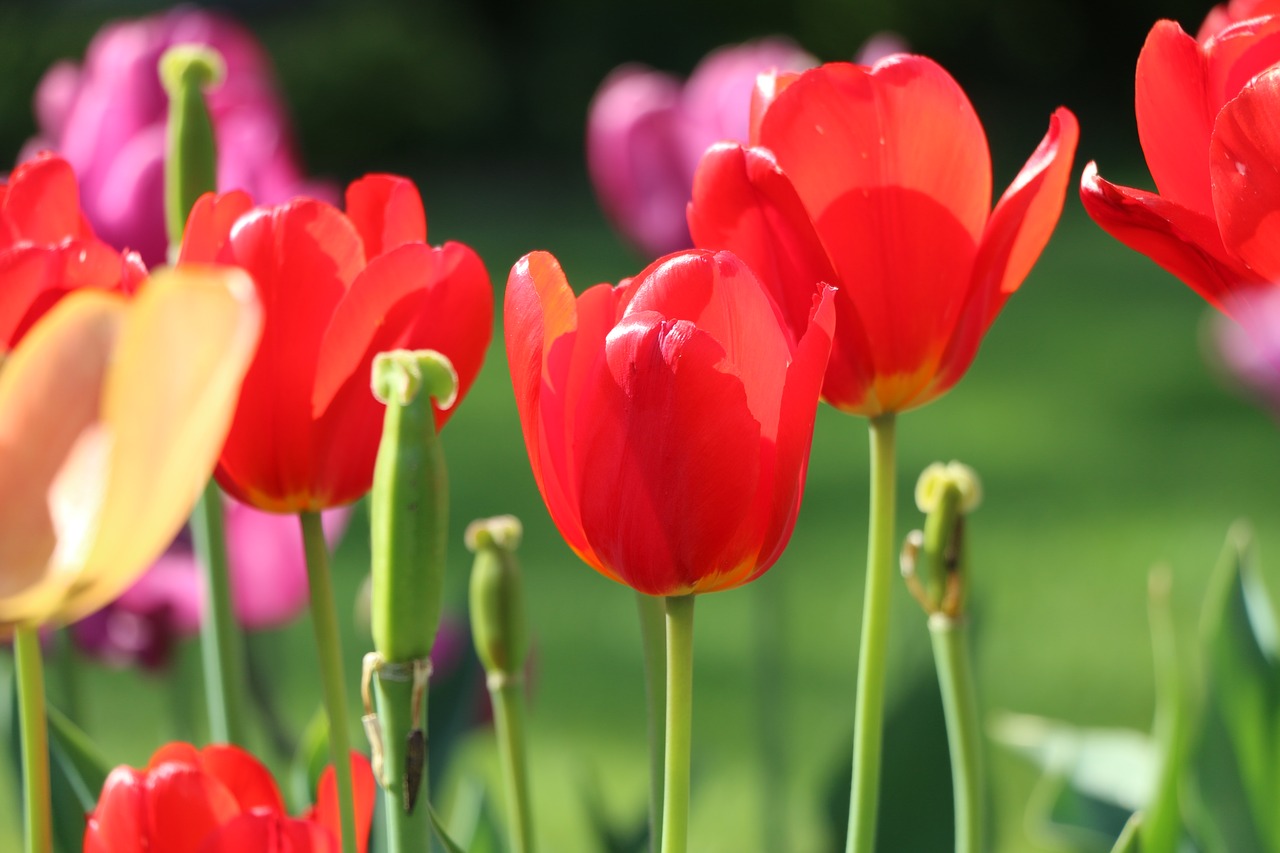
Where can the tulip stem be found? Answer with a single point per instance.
(653, 641)
(960, 706)
(508, 719)
(868, 720)
(324, 619)
(35, 739)
(404, 768)
(220, 648)
(675, 809)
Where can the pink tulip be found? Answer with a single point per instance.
(268, 585)
(646, 133)
(1250, 348)
(107, 118)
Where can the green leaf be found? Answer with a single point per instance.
(1161, 827)
(436, 824)
(1094, 778)
(1240, 746)
(310, 760)
(77, 758)
(1129, 840)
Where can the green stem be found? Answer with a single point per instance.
(653, 641)
(220, 648)
(33, 727)
(964, 738)
(868, 720)
(407, 831)
(68, 673)
(675, 809)
(508, 718)
(324, 619)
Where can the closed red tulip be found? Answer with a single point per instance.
(337, 288)
(48, 249)
(877, 180)
(668, 420)
(219, 799)
(1206, 120)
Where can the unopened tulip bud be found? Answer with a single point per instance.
(497, 597)
(408, 511)
(191, 164)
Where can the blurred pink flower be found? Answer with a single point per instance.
(1250, 348)
(268, 587)
(646, 133)
(107, 118)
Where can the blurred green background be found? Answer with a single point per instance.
(1105, 439)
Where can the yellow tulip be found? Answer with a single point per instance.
(112, 414)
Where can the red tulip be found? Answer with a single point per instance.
(1225, 14)
(219, 799)
(1206, 123)
(878, 181)
(337, 289)
(668, 420)
(47, 248)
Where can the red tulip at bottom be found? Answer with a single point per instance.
(668, 420)
(219, 799)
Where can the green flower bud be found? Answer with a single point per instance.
(497, 597)
(934, 561)
(191, 159)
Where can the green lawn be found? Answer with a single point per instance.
(1105, 443)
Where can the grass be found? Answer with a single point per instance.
(1105, 443)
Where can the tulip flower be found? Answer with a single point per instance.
(218, 799)
(668, 420)
(878, 181)
(107, 117)
(112, 413)
(1250, 349)
(337, 288)
(268, 586)
(47, 247)
(1204, 112)
(646, 131)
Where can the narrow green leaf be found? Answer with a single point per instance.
(77, 758)
(437, 825)
(1130, 839)
(1162, 825)
(1243, 683)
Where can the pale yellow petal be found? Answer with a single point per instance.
(50, 394)
(167, 404)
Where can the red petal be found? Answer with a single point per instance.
(209, 225)
(1015, 235)
(184, 805)
(269, 833)
(553, 345)
(1174, 115)
(302, 256)
(1180, 240)
(744, 203)
(326, 809)
(175, 752)
(766, 89)
(119, 822)
(668, 458)
(387, 211)
(42, 204)
(244, 776)
(1245, 163)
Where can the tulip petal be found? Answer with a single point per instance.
(1179, 240)
(1245, 163)
(119, 821)
(744, 203)
(42, 203)
(303, 256)
(365, 791)
(64, 358)
(209, 225)
(244, 776)
(175, 376)
(1174, 115)
(553, 343)
(668, 471)
(184, 805)
(387, 212)
(1015, 236)
(268, 833)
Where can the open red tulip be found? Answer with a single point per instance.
(47, 248)
(112, 413)
(878, 181)
(219, 799)
(1206, 120)
(337, 288)
(668, 420)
